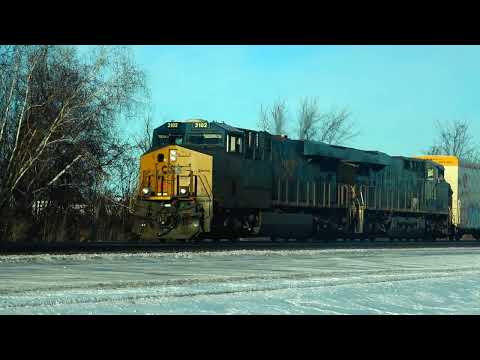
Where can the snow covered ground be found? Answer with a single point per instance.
(373, 281)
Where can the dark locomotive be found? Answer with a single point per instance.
(210, 180)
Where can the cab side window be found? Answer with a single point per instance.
(430, 174)
(234, 144)
(249, 144)
(238, 146)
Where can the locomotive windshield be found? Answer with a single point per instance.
(205, 139)
(167, 139)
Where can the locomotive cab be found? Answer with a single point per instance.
(191, 161)
(174, 198)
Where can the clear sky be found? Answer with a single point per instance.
(395, 93)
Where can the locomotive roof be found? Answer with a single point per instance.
(227, 127)
(419, 159)
(319, 149)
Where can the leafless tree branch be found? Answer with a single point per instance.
(455, 138)
(59, 116)
(308, 118)
(143, 140)
(278, 113)
(264, 123)
(337, 127)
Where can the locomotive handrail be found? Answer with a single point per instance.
(376, 197)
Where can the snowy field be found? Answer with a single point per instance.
(374, 281)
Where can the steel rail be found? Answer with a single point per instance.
(209, 245)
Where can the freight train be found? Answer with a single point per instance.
(204, 179)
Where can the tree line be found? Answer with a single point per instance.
(455, 137)
(60, 141)
(337, 127)
(311, 122)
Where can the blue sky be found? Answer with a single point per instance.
(395, 93)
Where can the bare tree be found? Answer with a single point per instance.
(274, 118)
(278, 114)
(455, 138)
(308, 118)
(337, 127)
(143, 139)
(264, 123)
(125, 170)
(58, 117)
(333, 127)
(123, 174)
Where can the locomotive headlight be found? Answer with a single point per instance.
(183, 191)
(145, 191)
(173, 155)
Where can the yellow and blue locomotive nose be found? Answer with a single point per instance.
(160, 172)
(175, 171)
(180, 179)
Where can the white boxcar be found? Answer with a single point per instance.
(464, 178)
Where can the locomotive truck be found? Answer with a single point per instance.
(204, 179)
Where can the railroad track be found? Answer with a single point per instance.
(208, 245)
